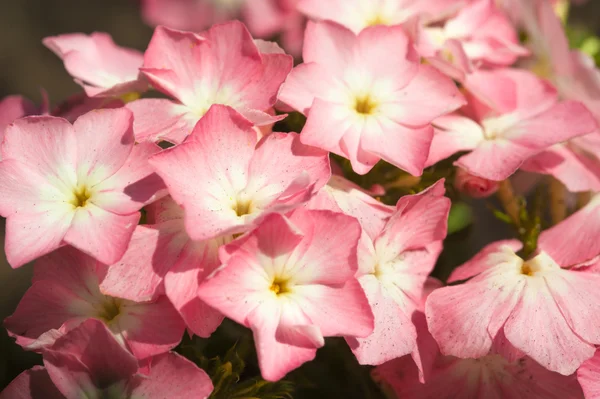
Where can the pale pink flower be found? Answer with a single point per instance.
(66, 292)
(80, 184)
(365, 109)
(357, 15)
(588, 376)
(492, 376)
(474, 186)
(162, 258)
(98, 65)
(512, 115)
(89, 363)
(292, 282)
(78, 104)
(393, 267)
(227, 182)
(221, 66)
(486, 35)
(547, 310)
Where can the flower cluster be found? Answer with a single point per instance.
(147, 217)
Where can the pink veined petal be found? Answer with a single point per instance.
(13, 108)
(352, 147)
(495, 159)
(295, 328)
(101, 234)
(588, 376)
(404, 147)
(576, 295)
(418, 221)
(324, 256)
(394, 334)
(133, 186)
(326, 125)
(453, 133)
(374, 44)
(34, 383)
(573, 240)
(46, 143)
(181, 287)
(428, 96)
(537, 327)
(161, 119)
(275, 359)
(329, 44)
(306, 83)
(561, 122)
(220, 133)
(277, 162)
(87, 360)
(577, 171)
(34, 234)
(483, 261)
(137, 324)
(173, 51)
(152, 251)
(337, 310)
(463, 319)
(104, 142)
(172, 376)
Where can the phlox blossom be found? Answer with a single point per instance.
(545, 309)
(512, 115)
(66, 292)
(292, 282)
(98, 65)
(362, 108)
(220, 66)
(227, 182)
(89, 363)
(79, 185)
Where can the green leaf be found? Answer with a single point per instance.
(460, 217)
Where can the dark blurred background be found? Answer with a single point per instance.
(26, 66)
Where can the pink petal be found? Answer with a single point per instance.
(337, 311)
(175, 377)
(588, 376)
(482, 261)
(574, 240)
(306, 83)
(463, 319)
(428, 96)
(328, 44)
(327, 117)
(31, 235)
(137, 323)
(101, 234)
(104, 142)
(47, 144)
(537, 327)
(219, 134)
(160, 119)
(394, 334)
(34, 383)
(134, 185)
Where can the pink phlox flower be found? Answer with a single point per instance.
(364, 109)
(221, 66)
(512, 116)
(79, 185)
(292, 281)
(66, 292)
(227, 182)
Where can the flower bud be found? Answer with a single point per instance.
(474, 186)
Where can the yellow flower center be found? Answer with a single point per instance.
(365, 105)
(280, 286)
(81, 196)
(110, 309)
